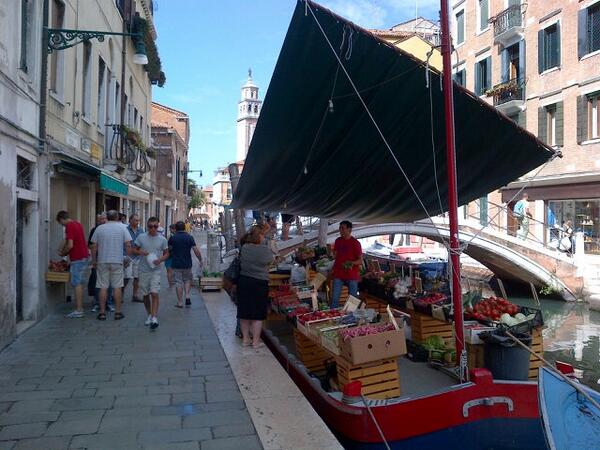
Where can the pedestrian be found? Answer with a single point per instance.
(107, 254)
(188, 226)
(348, 259)
(93, 291)
(522, 214)
(168, 262)
(132, 269)
(253, 286)
(152, 249)
(123, 218)
(180, 246)
(74, 246)
(286, 223)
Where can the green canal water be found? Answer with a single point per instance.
(572, 335)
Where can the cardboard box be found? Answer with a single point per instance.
(363, 349)
(472, 334)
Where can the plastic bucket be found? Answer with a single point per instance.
(505, 358)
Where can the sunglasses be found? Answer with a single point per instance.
(153, 226)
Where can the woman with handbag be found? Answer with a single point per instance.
(253, 286)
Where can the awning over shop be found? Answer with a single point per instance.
(315, 150)
(75, 165)
(138, 193)
(111, 184)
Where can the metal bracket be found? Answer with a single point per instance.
(61, 39)
(487, 401)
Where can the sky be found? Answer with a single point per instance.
(207, 46)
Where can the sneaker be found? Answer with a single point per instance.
(75, 314)
(95, 308)
(110, 308)
(154, 324)
(188, 302)
(148, 320)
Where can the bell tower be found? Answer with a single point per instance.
(248, 111)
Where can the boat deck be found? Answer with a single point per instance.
(416, 378)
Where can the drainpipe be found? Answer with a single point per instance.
(43, 79)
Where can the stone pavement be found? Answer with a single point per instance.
(86, 384)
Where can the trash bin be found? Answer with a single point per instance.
(505, 358)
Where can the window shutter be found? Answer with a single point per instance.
(582, 34)
(558, 43)
(488, 73)
(522, 119)
(542, 124)
(504, 65)
(477, 78)
(582, 119)
(522, 59)
(541, 62)
(559, 124)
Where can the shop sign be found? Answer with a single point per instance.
(85, 145)
(95, 151)
(72, 139)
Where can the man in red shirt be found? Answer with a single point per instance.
(75, 246)
(348, 259)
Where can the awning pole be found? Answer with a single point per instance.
(452, 187)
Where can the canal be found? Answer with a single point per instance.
(572, 335)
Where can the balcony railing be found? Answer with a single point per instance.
(125, 153)
(508, 91)
(511, 17)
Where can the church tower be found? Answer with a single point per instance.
(248, 111)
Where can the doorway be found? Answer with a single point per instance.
(20, 222)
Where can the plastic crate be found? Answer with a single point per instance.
(528, 326)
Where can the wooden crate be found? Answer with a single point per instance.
(423, 326)
(278, 279)
(380, 379)
(474, 355)
(311, 354)
(211, 284)
(537, 345)
(374, 303)
(58, 277)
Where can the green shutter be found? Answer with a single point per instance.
(582, 119)
(582, 33)
(488, 74)
(558, 44)
(542, 124)
(541, 53)
(477, 78)
(559, 124)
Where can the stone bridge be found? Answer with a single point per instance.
(508, 257)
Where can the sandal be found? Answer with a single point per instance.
(101, 316)
(119, 316)
(259, 345)
(178, 306)
(246, 344)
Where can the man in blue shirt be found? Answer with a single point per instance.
(180, 246)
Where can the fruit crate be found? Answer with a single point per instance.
(211, 284)
(310, 353)
(537, 345)
(380, 379)
(58, 277)
(423, 326)
(372, 302)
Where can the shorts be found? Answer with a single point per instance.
(149, 282)
(182, 276)
(168, 263)
(77, 270)
(109, 275)
(132, 270)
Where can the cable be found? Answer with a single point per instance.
(385, 442)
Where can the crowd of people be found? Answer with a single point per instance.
(119, 251)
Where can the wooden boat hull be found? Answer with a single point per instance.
(570, 421)
(483, 414)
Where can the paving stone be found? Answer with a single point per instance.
(223, 396)
(224, 431)
(83, 425)
(31, 417)
(82, 393)
(125, 440)
(174, 446)
(23, 431)
(140, 423)
(188, 397)
(221, 386)
(168, 436)
(5, 406)
(216, 418)
(233, 443)
(7, 445)
(39, 380)
(45, 443)
(175, 388)
(82, 414)
(31, 406)
(143, 400)
(34, 395)
(124, 390)
(73, 404)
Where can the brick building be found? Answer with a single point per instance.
(539, 63)
(170, 136)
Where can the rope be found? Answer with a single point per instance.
(385, 442)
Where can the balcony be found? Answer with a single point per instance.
(509, 97)
(509, 25)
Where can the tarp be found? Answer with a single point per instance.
(311, 158)
(109, 183)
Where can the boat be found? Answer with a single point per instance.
(336, 138)
(570, 420)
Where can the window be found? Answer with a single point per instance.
(177, 174)
(26, 60)
(24, 173)
(483, 211)
(117, 102)
(101, 94)
(513, 62)
(87, 79)
(483, 75)
(57, 64)
(157, 208)
(549, 47)
(550, 124)
(461, 77)
(588, 38)
(460, 27)
(484, 15)
(135, 118)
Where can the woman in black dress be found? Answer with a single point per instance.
(253, 286)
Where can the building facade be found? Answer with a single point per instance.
(171, 137)
(23, 170)
(538, 63)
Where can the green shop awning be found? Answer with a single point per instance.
(315, 158)
(111, 184)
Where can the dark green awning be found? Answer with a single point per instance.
(109, 183)
(305, 159)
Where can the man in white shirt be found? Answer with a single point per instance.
(107, 255)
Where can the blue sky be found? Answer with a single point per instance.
(207, 46)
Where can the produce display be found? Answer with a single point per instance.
(365, 330)
(58, 266)
(319, 315)
(491, 309)
(298, 311)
